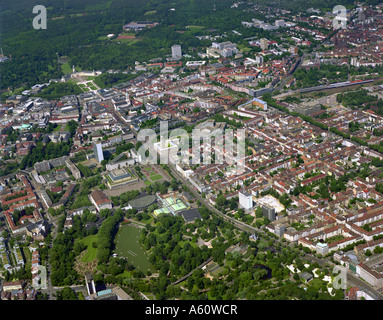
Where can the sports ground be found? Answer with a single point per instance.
(128, 246)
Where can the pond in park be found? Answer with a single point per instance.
(261, 266)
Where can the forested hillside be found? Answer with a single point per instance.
(77, 29)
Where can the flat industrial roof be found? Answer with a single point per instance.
(190, 214)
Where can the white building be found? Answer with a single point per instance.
(279, 23)
(224, 49)
(97, 148)
(245, 200)
(322, 248)
(167, 149)
(176, 51)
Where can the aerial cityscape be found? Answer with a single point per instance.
(191, 150)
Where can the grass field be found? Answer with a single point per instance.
(57, 128)
(243, 47)
(194, 28)
(155, 177)
(183, 242)
(151, 174)
(316, 283)
(125, 274)
(147, 220)
(66, 68)
(127, 245)
(88, 85)
(127, 34)
(28, 256)
(133, 41)
(91, 253)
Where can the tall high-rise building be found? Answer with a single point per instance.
(176, 51)
(268, 212)
(91, 288)
(355, 62)
(293, 50)
(97, 148)
(259, 59)
(245, 200)
(264, 44)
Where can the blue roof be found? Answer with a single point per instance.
(104, 292)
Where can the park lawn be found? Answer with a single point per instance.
(243, 47)
(126, 34)
(78, 84)
(74, 81)
(335, 238)
(183, 242)
(316, 283)
(125, 274)
(66, 68)
(57, 128)
(81, 85)
(127, 245)
(93, 87)
(155, 177)
(27, 255)
(132, 41)
(16, 91)
(195, 27)
(91, 253)
(66, 127)
(150, 12)
(83, 88)
(126, 41)
(147, 220)
(147, 183)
